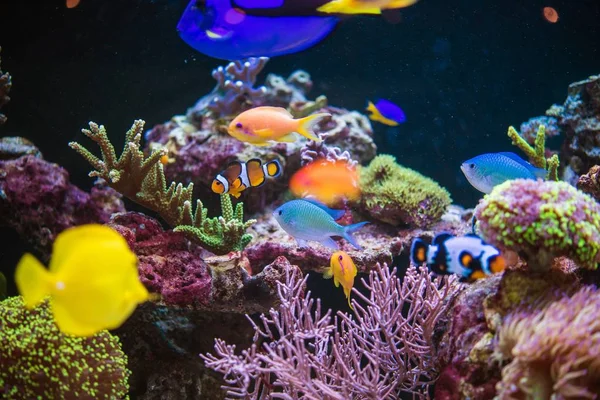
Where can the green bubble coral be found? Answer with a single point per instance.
(397, 195)
(37, 361)
(542, 221)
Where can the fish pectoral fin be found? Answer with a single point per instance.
(301, 243)
(33, 280)
(266, 132)
(329, 242)
(336, 282)
(291, 138)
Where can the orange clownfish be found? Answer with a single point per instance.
(326, 181)
(343, 271)
(238, 176)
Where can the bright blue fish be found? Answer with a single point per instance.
(491, 169)
(217, 29)
(386, 112)
(310, 220)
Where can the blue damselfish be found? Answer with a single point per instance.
(488, 170)
(311, 220)
(220, 30)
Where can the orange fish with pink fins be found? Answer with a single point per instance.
(262, 125)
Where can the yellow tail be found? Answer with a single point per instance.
(306, 124)
(33, 280)
(347, 7)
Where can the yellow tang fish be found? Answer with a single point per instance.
(343, 271)
(93, 280)
(363, 6)
(238, 176)
(261, 125)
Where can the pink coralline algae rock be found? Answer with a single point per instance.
(168, 263)
(39, 202)
(198, 155)
(380, 242)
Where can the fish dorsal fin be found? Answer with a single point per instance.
(335, 214)
(279, 110)
(440, 238)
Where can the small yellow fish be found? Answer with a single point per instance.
(343, 270)
(261, 125)
(363, 6)
(93, 280)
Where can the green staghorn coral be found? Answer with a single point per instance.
(397, 195)
(38, 361)
(142, 180)
(536, 154)
(223, 234)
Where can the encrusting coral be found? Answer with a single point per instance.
(542, 221)
(38, 361)
(398, 195)
(5, 85)
(553, 347)
(300, 352)
(142, 180)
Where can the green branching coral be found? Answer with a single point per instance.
(37, 361)
(223, 234)
(536, 154)
(142, 180)
(398, 195)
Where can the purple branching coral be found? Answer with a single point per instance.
(553, 348)
(5, 85)
(541, 221)
(234, 92)
(306, 353)
(313, 151)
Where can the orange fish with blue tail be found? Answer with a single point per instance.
(92, 282)
(239, 176)
(343, 271)
(262, 125)
(469, 257)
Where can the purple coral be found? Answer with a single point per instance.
(313, 151)
(542, 220)
(306, 354)
(39, 202)
(234, 91)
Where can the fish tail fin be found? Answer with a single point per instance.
(418, 251)
(348, 230)
(305, 125)
(33, 280)
(272, 169)
(347, 293)
(346, 7)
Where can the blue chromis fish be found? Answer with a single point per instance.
(238, 176)
(488, 170)
(386, 112)
(221, 30)
(93, 280)
(363, 6)
(467, 256)
(343, 271)
(311, 220)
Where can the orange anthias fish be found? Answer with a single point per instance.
(261, 125)
(326, 181)
(93, 280)
(363, 6)
(238, 176)
(343, 271)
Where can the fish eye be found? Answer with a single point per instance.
(471, 165)
(238, 125)
(340, 258)
(280, 212)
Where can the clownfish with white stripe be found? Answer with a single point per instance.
(467, 256)
(238, 176)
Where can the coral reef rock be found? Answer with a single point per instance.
(5, 85)
(38, 201)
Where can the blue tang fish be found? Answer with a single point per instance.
(310, 220)
(468, 256)
(386, 112)
(488, 170)
(220, 30)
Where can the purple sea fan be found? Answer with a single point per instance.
(381, 351)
